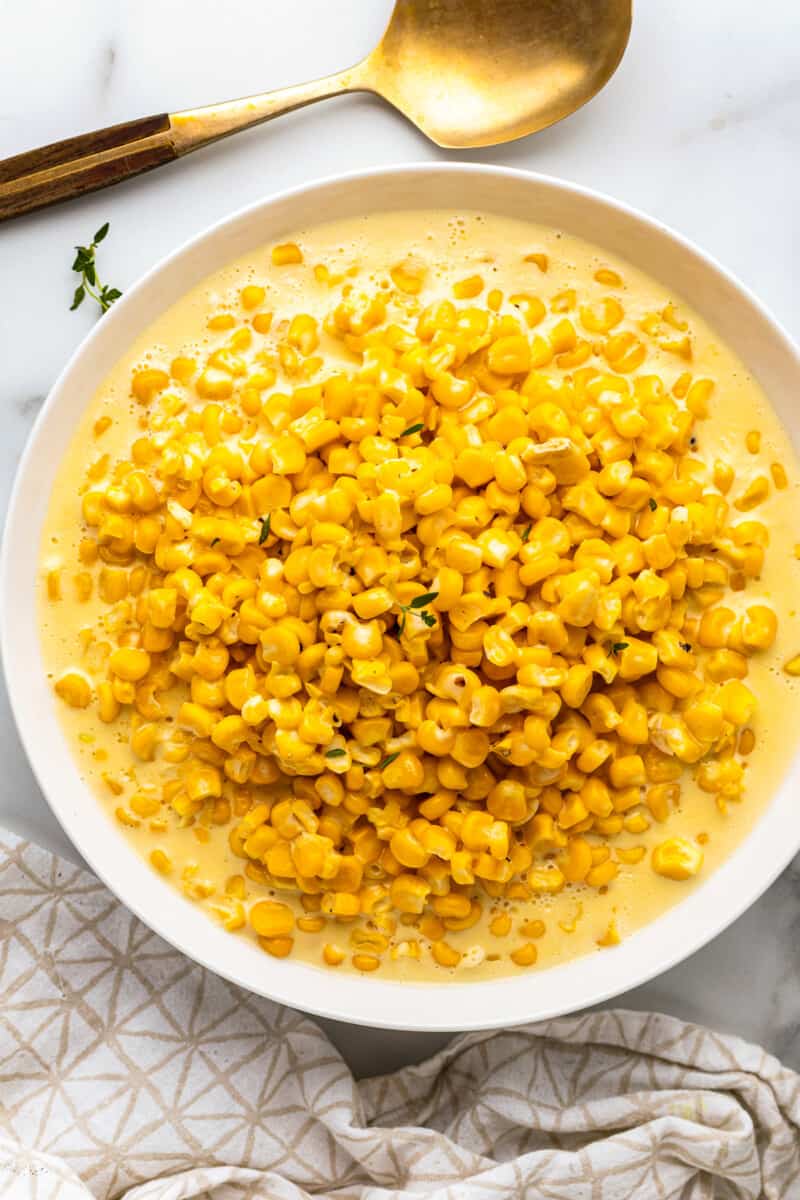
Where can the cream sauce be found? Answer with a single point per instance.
(453, 247)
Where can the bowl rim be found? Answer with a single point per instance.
(369, 1000)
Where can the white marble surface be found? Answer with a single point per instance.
(700, 127)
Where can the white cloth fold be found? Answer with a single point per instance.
(127, 1071)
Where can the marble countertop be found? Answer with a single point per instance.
(700, 127)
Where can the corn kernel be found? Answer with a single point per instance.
(445, 954)
(129, 664)
(286, 254)
(271, 919)
(161, 861)
(677, 858)
(525, 955)
(74, 689)
(611, 936)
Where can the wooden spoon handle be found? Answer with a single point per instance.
(94, 160)
(83, 164)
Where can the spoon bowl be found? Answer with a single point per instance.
(467, 73)
(480, 72)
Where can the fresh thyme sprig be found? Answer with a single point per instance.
(418, 606)
(86, 266)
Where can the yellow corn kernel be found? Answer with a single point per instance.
(705, 719)
(577, 863)
(431, 928)
(525, 955)
(161, 861)
(627, 771)
(660, 799)
(74, 689)
(271, 919)
(373, 603)
(303, 334)
(445, 955)
(611, 936)
(677, 682)
(738, 702)
(278, 947)
(144, 740)
(310, 924)
(87, 551)
(636, 658)
(126, 818)
(754, 494)
(677, 858)
(723, 476)
(406, 772)
(366, 962)
(602, 874)
(467, 289)
(147, 383)
(779, 477)
(759, 627)
(108, 707)
(235, 886)
(54, 585)
(286, 254)
(408, 276)
(452, 906)
(262, 322)
(534, 928)
(726, 664)
(129, 663)
(144, 805)
(577, 685)
(500, 925)
(340, 904)
(252, 295)
(409, 893)
(84, 585)
(510, 355)
(747, 742)
(386, 517)
(546, 879)
(221, 321)
(507, 801)
(602, 317)
(408, 850)
(162, 607)
(630, 855)
(717, 625)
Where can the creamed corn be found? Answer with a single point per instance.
(433, 606)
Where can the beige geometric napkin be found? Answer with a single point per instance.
(125, 1070)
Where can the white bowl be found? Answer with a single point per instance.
(733, 313)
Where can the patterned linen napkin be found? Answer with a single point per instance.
(127, 1071)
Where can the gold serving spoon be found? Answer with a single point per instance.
(466, 72)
